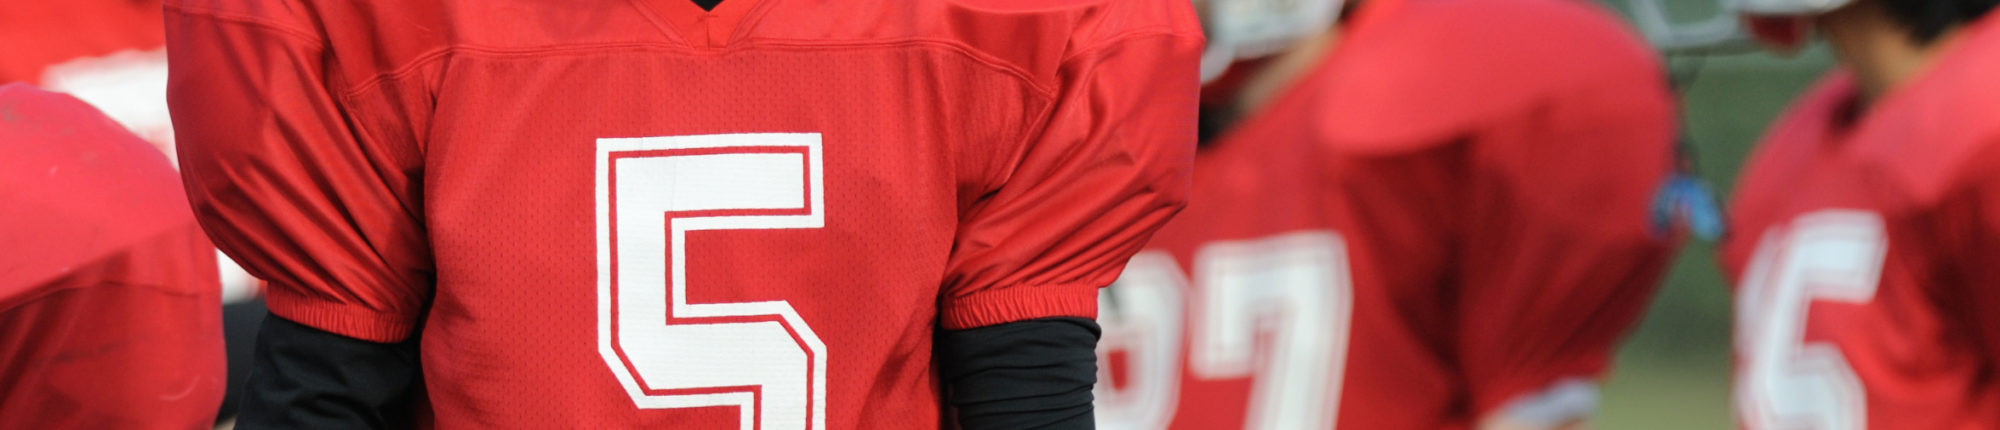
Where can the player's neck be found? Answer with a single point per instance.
(1880, 53)
(1260, 89)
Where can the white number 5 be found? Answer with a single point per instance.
(1785, 382)
(757, 356)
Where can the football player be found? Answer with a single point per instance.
(109, 314)
(1867, 244)
(112, 55)
(1434, 214)
(775, 214)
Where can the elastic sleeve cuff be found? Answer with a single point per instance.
(1019, 303)
(339, 318)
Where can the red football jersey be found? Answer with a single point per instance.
(1448, 214)
(1865, 253)
(610, 214)
(109, 315)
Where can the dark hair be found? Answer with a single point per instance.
(1928, 19)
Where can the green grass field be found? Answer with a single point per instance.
(1673, 372)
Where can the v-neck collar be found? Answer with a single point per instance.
(684, 20)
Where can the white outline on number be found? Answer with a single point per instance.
(1299, 386)
(1146, 321)
(746, 403)
(1831, 256)
(1240, 278)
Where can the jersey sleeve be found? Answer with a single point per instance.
(1109, 165)
(285, 179)
(1562, 253)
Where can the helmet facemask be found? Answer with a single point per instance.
(1781, 24)
(1247, 29)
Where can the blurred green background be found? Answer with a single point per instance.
(1673, 371)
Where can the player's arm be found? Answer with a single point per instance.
(1024, 374)
(1562, 252)
(1106, 169)
(284, 179)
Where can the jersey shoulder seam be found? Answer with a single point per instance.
(1128, 35)
(977, 56)
(249, 20)
(962, 50)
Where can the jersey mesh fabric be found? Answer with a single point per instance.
(1495, 227)
(981, 165)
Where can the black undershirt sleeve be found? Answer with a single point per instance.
(306, 378)
(1028, 374)
(1034, 374)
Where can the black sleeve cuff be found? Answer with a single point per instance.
(1028, 374)
(306, 378)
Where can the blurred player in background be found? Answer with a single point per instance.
(772, 214)
(1867, 249)
(1431, 215)
(108, 315)
(112, 54)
